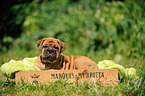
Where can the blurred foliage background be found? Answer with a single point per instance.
(113, 28)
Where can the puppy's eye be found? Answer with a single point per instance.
(56, 47)
(44, 46)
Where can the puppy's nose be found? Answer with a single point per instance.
(50, 50)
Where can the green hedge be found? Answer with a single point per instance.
(89, 25)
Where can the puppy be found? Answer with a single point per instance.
(51, 57)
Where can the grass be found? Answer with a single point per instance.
(128, 86)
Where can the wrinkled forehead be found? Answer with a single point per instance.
(51, 42)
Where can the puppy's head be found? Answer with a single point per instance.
(50, 49)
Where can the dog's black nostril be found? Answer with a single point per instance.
(51, 51)
(45, 53)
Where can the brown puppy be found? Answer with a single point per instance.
(52, 58)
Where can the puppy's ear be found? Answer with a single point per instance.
(62, 45)
(39, 44)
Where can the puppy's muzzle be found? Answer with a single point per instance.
(49, 54)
